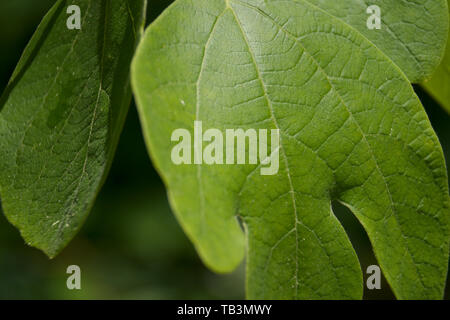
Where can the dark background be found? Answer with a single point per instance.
(131, 246)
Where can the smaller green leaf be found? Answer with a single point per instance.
(61, 116)
(439, 85)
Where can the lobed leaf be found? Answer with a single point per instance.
(352, 130)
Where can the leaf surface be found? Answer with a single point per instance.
(61, 116)
(352, 130)
(412, 34)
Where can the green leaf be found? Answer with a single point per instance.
(412, 34)
(439, 85)
(351, 129)
(61, 117)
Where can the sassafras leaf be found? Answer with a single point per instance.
(352, 130)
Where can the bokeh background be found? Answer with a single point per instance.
(131, 246)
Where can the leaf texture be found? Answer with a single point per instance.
(352, 130)
(61, 117)
(412, 34)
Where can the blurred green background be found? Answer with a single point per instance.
(131, 246)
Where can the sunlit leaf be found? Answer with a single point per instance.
(352, 130)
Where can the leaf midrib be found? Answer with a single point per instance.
(391, 203)
(275, 122)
